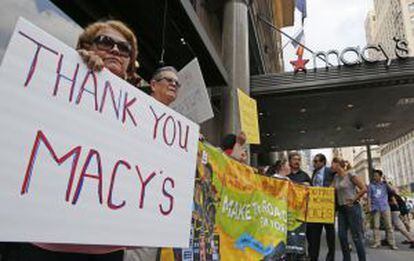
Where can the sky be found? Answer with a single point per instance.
(330, 24)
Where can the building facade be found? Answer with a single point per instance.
(389, 19)
(397, 158)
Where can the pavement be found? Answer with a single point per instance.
(383, 253)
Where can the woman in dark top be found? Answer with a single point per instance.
(396, 203)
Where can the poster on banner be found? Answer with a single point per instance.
(85, 157)
(248, 117)
(321, 205)
(251, 217)
(193, 101)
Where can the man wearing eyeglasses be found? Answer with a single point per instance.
(164, 85)
(322, 177)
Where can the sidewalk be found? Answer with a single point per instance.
(383, 253)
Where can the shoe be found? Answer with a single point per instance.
(384, 242)
(406, 242)
(394, 247)
(376, 245)
(412, 245)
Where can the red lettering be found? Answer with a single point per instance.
(183, 143)
(98, 176)
(83, 88)
(111, 205)
(41, 138)
(126, 110)
(169, 118)
(144, 184)
(167, 195)
(59, 76)
(36, 56)
(116, 107)
(157, 120)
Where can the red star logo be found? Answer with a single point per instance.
(299, 64)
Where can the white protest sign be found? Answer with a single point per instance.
(85, 157)
(193, 100)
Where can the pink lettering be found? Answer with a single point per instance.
(167, 195)
(111, 205)
(59, 76)
(83, 88)
(126, 110)
(41, 138)
(92, 153)
(144, 184)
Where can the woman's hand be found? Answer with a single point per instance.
(93, 61)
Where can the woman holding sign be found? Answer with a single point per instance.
(112, 45)
(349, 189)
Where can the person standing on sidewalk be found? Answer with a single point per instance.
(397, 206)
(322, 177)
(378, 204)
(349, 210)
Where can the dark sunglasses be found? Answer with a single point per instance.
(106, 43)
(170, 81)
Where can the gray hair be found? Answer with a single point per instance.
(157, 72)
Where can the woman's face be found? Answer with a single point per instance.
(334, 166)
(112, 47)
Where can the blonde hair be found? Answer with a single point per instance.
(88, 35)
(343, 163)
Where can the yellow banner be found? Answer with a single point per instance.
(248, 117)
(321, 205)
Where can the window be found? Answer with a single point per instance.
(411, 7)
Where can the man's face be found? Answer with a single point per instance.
(165, 87)
(317, 163)
(295, 162)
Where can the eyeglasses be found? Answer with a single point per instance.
(106, 43)
(170, 81)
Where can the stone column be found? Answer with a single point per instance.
(236, 60)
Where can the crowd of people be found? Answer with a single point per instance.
(113, 45)
(356, 203)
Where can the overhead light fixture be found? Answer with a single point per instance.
(338, 128)
(368, 140)
(303, 131)
(382, 125)
(405, 101)
(350, 106)
(261, 113)
(303, 110)
(267, 134)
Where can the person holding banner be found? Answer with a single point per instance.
(113, 45)
(349, 189)
(234, 146)
(297, 175)
(322, 177)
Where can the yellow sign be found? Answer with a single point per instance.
(321, 206)
(248, 117)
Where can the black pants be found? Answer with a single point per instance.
(29, 252)
(313, 235)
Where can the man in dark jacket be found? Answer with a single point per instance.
(322, 177)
